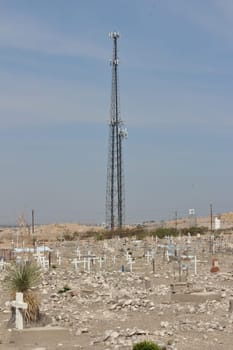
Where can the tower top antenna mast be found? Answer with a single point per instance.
(114, 35)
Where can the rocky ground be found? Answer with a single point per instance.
(110, 309)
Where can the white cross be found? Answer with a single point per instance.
(88, 264)
(100, 262)
(189, 238)
(213, 248)
(75, 262)
(196, 261)
(131, 262)
(195, 265)
(78, 253)
(127, 255)
(93, 259)
(37, 254)
(148, 257)
(152, 254)
(2, 264)
(43, 262)
(59, 260)
(19, 304)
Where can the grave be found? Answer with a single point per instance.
(184, 292)
(196, 297)
(181, 286)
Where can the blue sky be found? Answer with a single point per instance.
(176, 90)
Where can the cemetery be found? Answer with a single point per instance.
(114, 293)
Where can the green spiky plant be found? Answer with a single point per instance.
(24, 277)
(146, 345)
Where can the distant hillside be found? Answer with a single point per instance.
(226, 220)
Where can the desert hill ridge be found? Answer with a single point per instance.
(52, 232)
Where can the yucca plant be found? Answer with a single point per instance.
(24, 277)
(146, 345)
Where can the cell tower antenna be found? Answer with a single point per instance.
(115, 198)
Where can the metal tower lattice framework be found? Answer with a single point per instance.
(115, 198)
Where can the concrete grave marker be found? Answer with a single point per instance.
(19, 305)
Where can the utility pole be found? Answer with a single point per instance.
(32, 221)
(115, 198)
(176, 223)
(211, 217)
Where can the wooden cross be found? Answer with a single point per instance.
(19, 305)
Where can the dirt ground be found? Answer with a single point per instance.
(102, 314)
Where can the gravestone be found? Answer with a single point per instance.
(19, 306)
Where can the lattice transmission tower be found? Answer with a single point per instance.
(115, 197)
